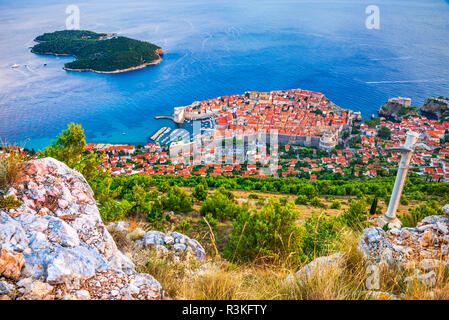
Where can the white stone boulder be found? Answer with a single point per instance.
(59, 234)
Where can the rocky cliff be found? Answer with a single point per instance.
(55, 245)
(396, 111)
(434, 107)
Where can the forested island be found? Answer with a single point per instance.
(98, 52)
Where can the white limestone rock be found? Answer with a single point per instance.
(320, 266)
(175, 241)
(59, 231)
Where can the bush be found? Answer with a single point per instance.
(384, 133)
(212, 222)
(336, 204)
(164, 187)
(68, 146)
(417, 214)
(177, 200)
(309, 191)
(220, 206)
(10, 163)
(184, 226)
(404, 200)
(355, 217)
(114, 210)
(8, 203)
(269, 234)
(320, 235)
(301, 199)
(156, 212)
(316, 202)
(200, 192)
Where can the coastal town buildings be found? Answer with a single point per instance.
(298, 117)
(359, 154)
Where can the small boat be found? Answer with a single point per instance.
(123, 133)
(45, 64)
(15, 65)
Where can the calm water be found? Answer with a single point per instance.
(216, 48)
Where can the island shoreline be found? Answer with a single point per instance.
(146, 64)
(155, 62)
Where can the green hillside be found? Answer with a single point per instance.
(109, 54)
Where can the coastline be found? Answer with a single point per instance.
(159, 52)
(155, 62)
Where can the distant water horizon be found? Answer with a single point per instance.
(212, 49)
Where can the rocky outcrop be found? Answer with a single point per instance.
(170, 242)
(395, 111)
(320, 266)
(11, 264)
(160, 51)
(55, 244)
(174, 242)
(435, 107)
(424, 248)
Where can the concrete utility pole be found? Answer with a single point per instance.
(406, 152)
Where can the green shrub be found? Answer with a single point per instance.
(177, 200)
(184, 226)
(356, 216)
(417, 214)
(8, 203)
(269, 234)
(220, 206)
(319, 235)
(336, 204)
(301, 200)
(68, 146)
(200, 192)
(404, 200)
(309, 191)
(156, 212)
(212, 222)
(164, 187)
(113, 210)
(316, 202)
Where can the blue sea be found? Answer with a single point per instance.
(215, 48)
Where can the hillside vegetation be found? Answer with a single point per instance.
(95, 52)
(257, 232)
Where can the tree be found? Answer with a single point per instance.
(373, 208)
(301, 199)
(384, 133)
(336, 204)
(200, 192)
(355, 217)
(68, 146)
(271, 233)
(177, 200)
(220, 206)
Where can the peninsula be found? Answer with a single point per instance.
(98, 52)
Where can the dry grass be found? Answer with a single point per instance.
(123, 242)
(220, 280)
(11, 160)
